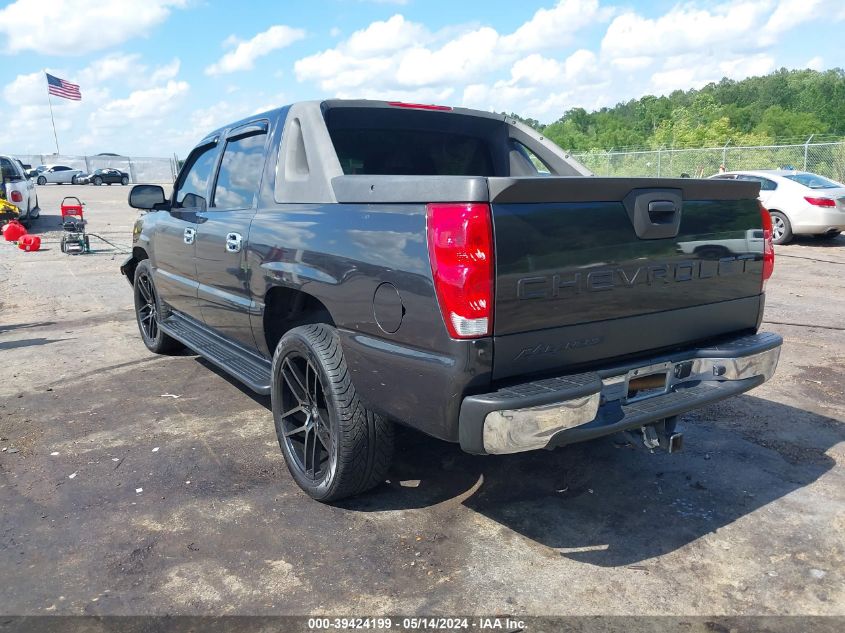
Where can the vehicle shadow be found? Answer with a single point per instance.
(609, 504)
(606, 502)
(46, 223)
(809, 240)
(22, 326)
(264, 401)
(29, 342)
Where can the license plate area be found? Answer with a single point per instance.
(647, 382)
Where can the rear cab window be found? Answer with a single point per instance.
(406, 142)
(409, 141)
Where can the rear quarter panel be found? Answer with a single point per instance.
(340, 254)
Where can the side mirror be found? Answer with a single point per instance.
(146, 197)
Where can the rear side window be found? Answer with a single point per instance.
(240, 172)
(765, 183)
(382, 141)
(813, 181)
(9, 169)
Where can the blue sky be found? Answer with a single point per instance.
(158, 74)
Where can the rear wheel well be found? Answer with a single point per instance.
(287, 308)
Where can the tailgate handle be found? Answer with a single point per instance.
(655, 213)
(662, 211)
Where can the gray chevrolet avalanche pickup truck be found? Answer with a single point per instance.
(369, 263)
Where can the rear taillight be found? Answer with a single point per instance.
(16, 196)
(460, 248)
(820, 202)
(419, 106)
(768, 246)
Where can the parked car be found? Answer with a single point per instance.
(20, 189)
(59, 174)
(33, 173)
(106, 176)
(366, 263)
(801, 203)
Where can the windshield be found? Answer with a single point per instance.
(813, 181)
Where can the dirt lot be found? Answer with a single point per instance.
(136, 484)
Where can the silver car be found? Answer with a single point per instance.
(59, 174)
(801, 203)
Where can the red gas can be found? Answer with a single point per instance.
(13, 231)
(29, 243)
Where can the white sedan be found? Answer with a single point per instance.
(59, 174)
(801, 203)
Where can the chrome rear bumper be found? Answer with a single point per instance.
(567, 409)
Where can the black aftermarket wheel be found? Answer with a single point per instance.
(334, 447)
(148, 310)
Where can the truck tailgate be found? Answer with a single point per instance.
(591, 269)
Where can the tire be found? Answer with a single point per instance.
(124, 181)
(41, 180)
(147, 311)
(781, 228)
(350, 446)
(74, 181)
(98, 181)
(712, 252)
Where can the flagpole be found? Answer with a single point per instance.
(50, 101)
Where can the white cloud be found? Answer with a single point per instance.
(685, 28)
(76, 27)
(459, 59)
(694, 71)
(386, 36)
(116, 65)
(400, 54)
(632, 63)
(582, 67)
(166, 72)
(143, 104)
(550, 28)
(790, 13)
(30, 89)
(246, 52)
(816, 63)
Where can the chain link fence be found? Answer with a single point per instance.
(140, 169)
(826, 159)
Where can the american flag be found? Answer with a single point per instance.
(62, 88)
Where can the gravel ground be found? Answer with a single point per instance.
(137, 484)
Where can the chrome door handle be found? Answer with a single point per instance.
(189, 236)
(234, 241)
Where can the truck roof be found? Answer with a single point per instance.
(359, 103)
